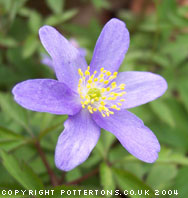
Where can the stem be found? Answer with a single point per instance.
(53, 178)
(62, 177)
(83, 178)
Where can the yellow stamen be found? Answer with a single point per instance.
(95, 96)
(106, 82)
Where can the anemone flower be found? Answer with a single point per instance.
(94, 96)
(46, 60)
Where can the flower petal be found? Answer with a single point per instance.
(46, 60)
(77, 141)
(46, 95)
(111, 46)
(66, 58)
(132, 134)
(141, 87)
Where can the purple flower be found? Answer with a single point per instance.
(46, 60)
(94, 96)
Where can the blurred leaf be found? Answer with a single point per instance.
(105, 142)
(177, 49)
(90, 33)
(163, 111)
(106, 177)
(19, 30)
(143, 112)
(15, 6)
(93, 160)
(183, 89)
(25, 12)
(166, 156)
(35, 22)
(73, 175)
(14, 111)
(135, 167)
(177, 20)
(8, 41)
(161, 60)
(101, 4)
(113, 156)
(57, 19)
(10, 140)
(177, 135)
(23, 174)
(46, 120)
(171, 136)
(49, 129)
(166, 7)
(172, 157)
(128, 181)
(11, 7)
(181, 181)
(6, 4)
(7, 76)
(56, 5)
(182, 10)
(179, 115)
(7, 135)
(160, 175)
(30, 46)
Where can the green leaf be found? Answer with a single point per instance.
(177, 50)
(166, 7)
(73, 174)
(183, 89)
(30, 46)
(106, 177)
(8, 41)
(14, 111)
(10, 139)
(166, 156)
(101, 4)
(25, 12)
(128, 181)
(55, 5)
(12, 7)
(172, 157)
(4, 72)
(22, 173)
(105, 142)
(35, 22)
(180, 116)
(49, 129)
(11, 144)
(8, 134)
(167, 172)
(92, 161)
(181, 183)
(58, 19)
(122, 152)
(163, 111)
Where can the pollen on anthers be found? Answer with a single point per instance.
(99, 91)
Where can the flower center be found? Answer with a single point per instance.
(99, 91)
(94, 92)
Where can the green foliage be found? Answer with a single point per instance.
(129, 181)
(158, 44)
(56, 7)
(106, 177)
(22, 173)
